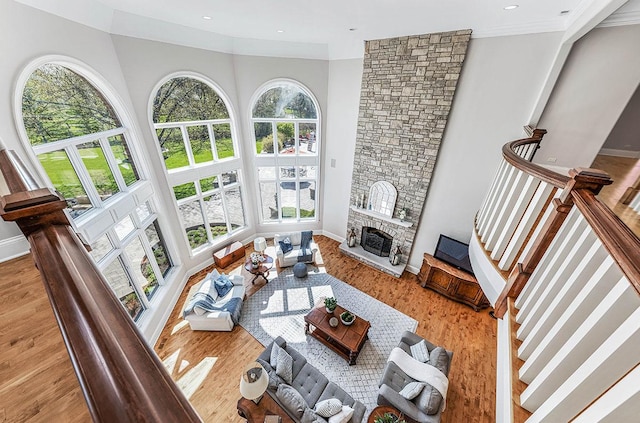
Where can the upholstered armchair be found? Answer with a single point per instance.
(289, 258)
(428, 405)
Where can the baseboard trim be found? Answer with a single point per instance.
(619, 153)
(332, 236)
(13, 247)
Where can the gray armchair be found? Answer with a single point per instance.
(425, 408)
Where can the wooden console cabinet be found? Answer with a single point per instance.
(451, 282)
(228, 254)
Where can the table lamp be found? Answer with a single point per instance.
(254, 382)
(259, 245)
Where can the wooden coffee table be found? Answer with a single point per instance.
(262, 270)
(255, 413)
(346, 341)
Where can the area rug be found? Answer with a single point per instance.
(278, 309)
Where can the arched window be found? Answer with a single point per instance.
(196, 136)
(73, 123)
(286, 129)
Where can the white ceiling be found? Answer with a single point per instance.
(322, 28)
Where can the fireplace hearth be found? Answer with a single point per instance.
(376, 241)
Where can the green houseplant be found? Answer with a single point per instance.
(330, 304)
(347, 318)
(389, 418)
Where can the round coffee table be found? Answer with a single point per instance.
(380, 410)
(262, 270)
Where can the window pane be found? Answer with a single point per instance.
(124, 228)
(65, 179)
(123, 157)
(57, 104)
(264, 137)
(98, 168)
(288, 172)
(184, 190)
(143, 211)
(208, 184)
(288, 197)
(142, 270)
(115, 274)
(287, 100)
(307, 199)
(286, 138)
(267, 172)
(187, 99)
(215, 215)
(269, 200)
(200, 143)
(193, 224)
(156, 240)
(307, 137)
(224, 144)
(172, 145)
(101, 247)
(235, 210)
(229, 178)
(308, 172)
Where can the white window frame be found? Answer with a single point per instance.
(277, 160)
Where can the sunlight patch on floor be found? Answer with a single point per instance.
(191, 381)
(179, 326)
(297, 299)
(170, 362)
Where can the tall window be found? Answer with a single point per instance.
(195, 134)
(286, 136)
(77, 136)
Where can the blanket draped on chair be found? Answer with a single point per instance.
(305, 253)
(208, 303)
(422, 372)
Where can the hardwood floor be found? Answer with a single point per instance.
(37, 383)
(208, 364)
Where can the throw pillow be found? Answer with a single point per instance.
(291, 400)
(439, 359)
(420, 352)
(412, 390)
(285, 245)
(223, 285)
(310, 416)
(329, 407)
(274, 379)
(273, 359)
(429, 400)
(284, 366)
(343, 416)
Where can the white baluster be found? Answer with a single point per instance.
(490, 203)
(501, 196)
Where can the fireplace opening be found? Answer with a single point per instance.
(376, 241)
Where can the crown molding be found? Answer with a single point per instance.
(621, 19)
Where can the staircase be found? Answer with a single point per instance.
(563, 274)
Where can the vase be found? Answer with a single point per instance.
(330, 311)
(351, 238)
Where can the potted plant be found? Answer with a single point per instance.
(389, 418)
(347, 318)
(330, 304)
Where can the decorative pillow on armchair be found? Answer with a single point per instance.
(223, 285)
(285, 245)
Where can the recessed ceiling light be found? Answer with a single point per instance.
(279, 31)
(513, 6)
(565, 12)
(353, 29)
(208, 18)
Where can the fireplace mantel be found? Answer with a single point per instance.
(382, 217)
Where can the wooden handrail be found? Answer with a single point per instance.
(617, 238)
(547, 175)
(121, 377)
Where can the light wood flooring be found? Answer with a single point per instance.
(470, 335)
(37, 383)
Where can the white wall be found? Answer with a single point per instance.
(625, 135)
(601, 74)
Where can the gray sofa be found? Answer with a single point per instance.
(425, 408)
(309, 382)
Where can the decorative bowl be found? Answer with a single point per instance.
(333, 322)
(344, 318)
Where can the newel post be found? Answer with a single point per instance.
(581, 179)
(122, 379)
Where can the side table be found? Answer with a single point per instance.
(380, 410)
(255, 413)
(262, 270)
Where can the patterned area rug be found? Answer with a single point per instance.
(278, 309)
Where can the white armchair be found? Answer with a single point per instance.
(290, 258)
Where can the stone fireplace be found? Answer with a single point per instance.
(408, 84)
(376, 241)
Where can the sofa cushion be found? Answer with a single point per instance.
(412, 390)
(275, 350)
(310, 416)
(329, 407)
(440, 359)
(429, 400)
(310, 383)
(420, 352)
(285, 245)
(274, 379)
(343, 416)
(291, 400)
(284, 366)
(223, 285)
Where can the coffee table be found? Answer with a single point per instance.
(255, 413)
(262, 270)
(346, 341)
